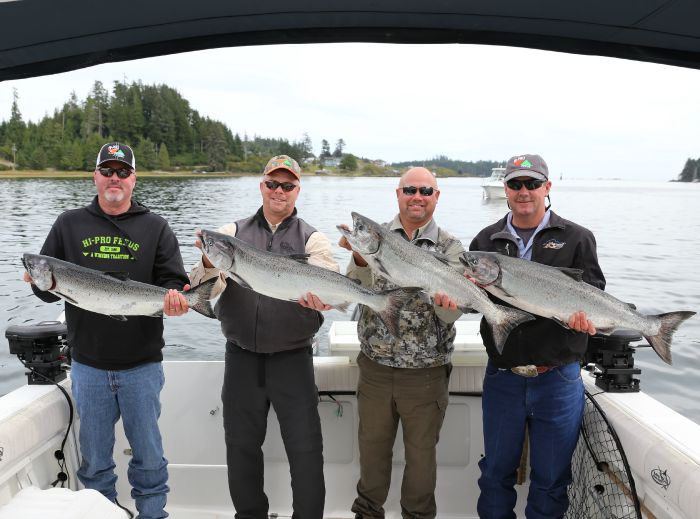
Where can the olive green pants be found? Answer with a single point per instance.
(386, 396)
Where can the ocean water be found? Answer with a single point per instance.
(648, 236)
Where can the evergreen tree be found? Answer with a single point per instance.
(307, 148)
(325, 149)
(146, 156)
(163, 157)
(691, 171)
(14, 132)
(96, 108)
(237, 148)
(338, 152)
(72, 156)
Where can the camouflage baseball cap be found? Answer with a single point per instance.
(283, 162)
(532, 166)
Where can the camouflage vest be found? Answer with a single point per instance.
(425, 340)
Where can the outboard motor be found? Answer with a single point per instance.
(42, 348)
(610, 359)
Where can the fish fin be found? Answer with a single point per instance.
(301, 258)
(121, 276)
(396, 299)
(466, 310)
(632, 306)
(575, 274)
(67, 298)
(343, 307)
(242, 282)
(198, 298)
(661, 342)
(123, 317)
(606, 330)
(509, 319)
(381, 268)
(439, 256)
(561, 323)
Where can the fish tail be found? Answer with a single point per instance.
(661, 342)
(396, 299)
(508, 319)
(198, 298)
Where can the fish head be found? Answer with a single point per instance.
(364, 237)
(219, 248)
(39, 269)
(481, 266)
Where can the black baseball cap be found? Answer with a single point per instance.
(116, 151)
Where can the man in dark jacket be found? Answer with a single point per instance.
(116, 365)
(269, 356)
(536, 382)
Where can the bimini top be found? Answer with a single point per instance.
(39, 37)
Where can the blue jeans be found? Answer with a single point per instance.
(551, 405)
(101, 397)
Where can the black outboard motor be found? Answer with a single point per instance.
(42, 348)
(610, 359)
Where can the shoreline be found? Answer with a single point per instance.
(9, 174)
(142, 174)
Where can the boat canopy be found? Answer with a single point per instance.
(40, 37)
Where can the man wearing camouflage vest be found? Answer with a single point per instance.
(405, 379)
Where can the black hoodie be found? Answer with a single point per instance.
(137, 242)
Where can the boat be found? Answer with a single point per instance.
(661, 466)
(493, 186)
(663, 453)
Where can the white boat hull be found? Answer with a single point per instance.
(494, 191)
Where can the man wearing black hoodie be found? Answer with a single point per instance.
(116, 368)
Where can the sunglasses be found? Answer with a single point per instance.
(121, 172)
(286, 186)
(516, 185)
(423, 190)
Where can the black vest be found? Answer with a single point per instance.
(259, 323)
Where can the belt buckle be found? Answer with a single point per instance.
(528, 371)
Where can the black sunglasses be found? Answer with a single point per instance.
(286, 186)
(516, 185)
(423, 190)
(121, 172)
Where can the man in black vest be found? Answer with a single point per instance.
(268, 354)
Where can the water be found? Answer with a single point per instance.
(647, 237)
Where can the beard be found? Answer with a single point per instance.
(113, 196)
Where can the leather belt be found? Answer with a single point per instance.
(530, 370)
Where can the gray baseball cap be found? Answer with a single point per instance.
(532, 166)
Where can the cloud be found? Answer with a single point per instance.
(588, 116)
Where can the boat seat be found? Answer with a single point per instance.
(339, 372)
(60, 503)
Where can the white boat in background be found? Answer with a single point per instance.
(663, 450)
(493, 185)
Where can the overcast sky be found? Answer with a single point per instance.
(589, 117)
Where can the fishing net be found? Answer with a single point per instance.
(602, 486)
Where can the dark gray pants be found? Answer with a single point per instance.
(251, 382)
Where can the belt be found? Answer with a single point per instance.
(530, 370)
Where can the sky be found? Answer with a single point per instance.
(588, 116)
